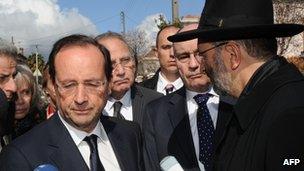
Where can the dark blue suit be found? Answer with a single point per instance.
(51, 143)
(167, 130)
(7, 110)
(151, 83)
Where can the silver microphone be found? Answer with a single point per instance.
(170, 163)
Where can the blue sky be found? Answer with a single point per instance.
(41, 22)
(106, 14)
(31, 23)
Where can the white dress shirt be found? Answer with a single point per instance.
(212, 104)
(105, 150)
(162, 83)
(5, 141)
(126, 108)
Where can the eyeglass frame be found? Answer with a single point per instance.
(96, 86)
(201, 54)
(124, 62)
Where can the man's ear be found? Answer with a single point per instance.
(109, 90)
(155, 51)
(109, 87)
(234, 52)
(56, 91)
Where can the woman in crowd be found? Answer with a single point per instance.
(49, 91)
(27, 113)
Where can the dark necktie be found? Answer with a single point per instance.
(169, 88)
(205, 130)
(95, 163)
(117, 107)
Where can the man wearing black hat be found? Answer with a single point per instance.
(238, 46)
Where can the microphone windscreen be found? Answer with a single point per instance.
(46, 167)
(170, 163)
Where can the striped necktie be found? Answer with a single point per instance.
(95, 162)
(169, 88)
(117, 107)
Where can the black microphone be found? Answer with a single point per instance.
(170, 163)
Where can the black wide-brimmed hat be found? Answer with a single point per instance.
(237, 19)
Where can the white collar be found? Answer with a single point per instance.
(125, 100)
(178, 83)
(78, 135)
(191, 94)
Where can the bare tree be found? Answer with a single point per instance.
(138, 42)
(288, 11)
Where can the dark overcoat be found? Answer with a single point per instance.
(266, 130)
(167, 130)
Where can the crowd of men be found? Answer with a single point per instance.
(222, 99)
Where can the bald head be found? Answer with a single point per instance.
(188, 27)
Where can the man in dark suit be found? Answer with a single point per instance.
(127, 100)
(5, 120)
(172, 125)
(8, 62)
(166, 79)
(76, 137)
(238, 45)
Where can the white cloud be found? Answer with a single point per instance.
(40, 22)
(149, 26)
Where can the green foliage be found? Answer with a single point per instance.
(162, 23)
(31, 61)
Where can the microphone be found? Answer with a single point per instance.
(170, 163)
(46, 167)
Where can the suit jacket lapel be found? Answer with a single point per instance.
(119, 149)
(181, 142)
(137, 104)
(225, 113)
(63, 150)
(155, 80)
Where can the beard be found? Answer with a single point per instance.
(219, 75)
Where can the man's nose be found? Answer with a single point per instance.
(193, 62)
(171, 52)
(11, 85)
(81, 95)
(119, 69)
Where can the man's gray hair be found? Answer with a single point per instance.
(8, 49)
(110, 34)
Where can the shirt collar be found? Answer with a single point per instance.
(191, 94)
(125, 100)
(178, 83)
(78, 135)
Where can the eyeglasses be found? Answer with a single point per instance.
(125, 62)
(185, 57)
(91, 86)
(201, 54)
